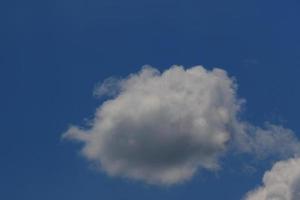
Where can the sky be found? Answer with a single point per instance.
(55, 54)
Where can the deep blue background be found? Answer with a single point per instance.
(52, 53)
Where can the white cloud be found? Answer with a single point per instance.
(282, 182)
(161, 128)
(272, 140)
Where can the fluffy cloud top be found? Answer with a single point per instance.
(282, 182)
(161, 127)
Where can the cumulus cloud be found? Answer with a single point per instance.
(161, 128)
(282, 182)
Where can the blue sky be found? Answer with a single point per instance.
(53, 53)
